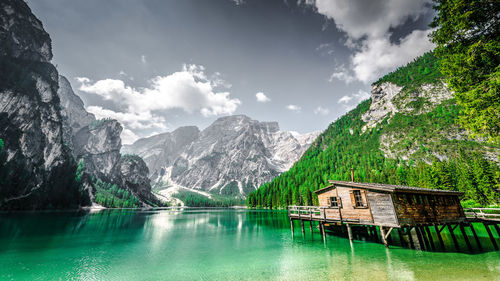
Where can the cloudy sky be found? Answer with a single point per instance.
(155, 65)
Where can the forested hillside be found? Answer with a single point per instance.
(422, 146)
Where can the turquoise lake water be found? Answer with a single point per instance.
(211, 245)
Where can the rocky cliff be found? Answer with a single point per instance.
(37, 170)
(97, 144)
(232, 156)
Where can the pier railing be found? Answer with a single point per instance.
(313, 212)
(483, 213)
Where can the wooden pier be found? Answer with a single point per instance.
(410, 211)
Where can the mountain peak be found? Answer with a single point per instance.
(232, 156)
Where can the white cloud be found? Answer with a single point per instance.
(345, 99)
(189, 90)
(381, 56)
(374, 18)
(321, 110)
(185, 89)
(368, 24)
(128, 137)
(239, 2)
(143, 59)
(294, 108)
(342, 74)
(261, 97)
(350, 101)
(140, 121)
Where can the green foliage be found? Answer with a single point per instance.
(112, 196)
(131, 157)
(468, 47)
(336, 150)
(79, 171)
(422, 70)
(193, 199)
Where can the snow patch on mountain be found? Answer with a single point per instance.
(233, 156)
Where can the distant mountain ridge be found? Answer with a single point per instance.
(232, 156)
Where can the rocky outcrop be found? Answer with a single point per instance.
(21, 34)
(98, 144)
(233, 156)
(389, 99)
(37, 170)
(160, 151)
(73, 112)
(420, 140)
(134, 176)
(382, 104)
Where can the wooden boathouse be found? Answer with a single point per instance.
(410, 210)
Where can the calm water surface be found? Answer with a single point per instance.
(209, 245)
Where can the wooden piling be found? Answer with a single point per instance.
(497, 228)
(464, 234)
(455, 242)
(291, 225)
(410, 238)
(429, 236)
(382, 234)
(491, 236)
(375, 234)
(402, 240)
(302, 226)
(440, 238)
(349, 231)
(311, 226)
(424, 237)
(475, 237)
(420, 238)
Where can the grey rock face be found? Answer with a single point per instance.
(22, 34)
(98, 143)
(134, 175)
(38, 170)
(389, 99)
(161, 150)
(382, 104)
(233, 156)
(73, 112)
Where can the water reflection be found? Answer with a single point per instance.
(208, 245)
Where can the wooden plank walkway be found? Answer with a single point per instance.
(489, 217)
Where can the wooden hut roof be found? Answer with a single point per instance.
(387, 187)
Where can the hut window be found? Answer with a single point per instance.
(357, 198)
(333, 202)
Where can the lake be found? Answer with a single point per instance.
(219, 244)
